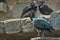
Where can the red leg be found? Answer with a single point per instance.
(42, 33)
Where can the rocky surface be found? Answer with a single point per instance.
(55, 20)
(27, 25)
(16, 25)
(10, 26)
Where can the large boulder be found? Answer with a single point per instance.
(55, 20)
(10, 26)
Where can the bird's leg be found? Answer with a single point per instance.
(42, 33)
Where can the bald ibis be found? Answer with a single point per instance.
(40, 23)
(44, 9)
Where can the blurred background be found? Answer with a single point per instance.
(13, 28)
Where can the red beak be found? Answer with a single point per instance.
(27, 14)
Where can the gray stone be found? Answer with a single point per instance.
(55, 20)
(12, 26)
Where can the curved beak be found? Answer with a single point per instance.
(27, 14)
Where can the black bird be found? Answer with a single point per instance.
(44, 9)
(28, 8)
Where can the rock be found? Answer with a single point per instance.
(12, 26)
(3, 7)
(2, 28)
(27, 25)
(55, 20)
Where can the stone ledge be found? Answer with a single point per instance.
(45, 38)
(11, 26)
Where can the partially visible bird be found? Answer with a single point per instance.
(40, 23)
(44, 9)
(3, 1)
(28, 8)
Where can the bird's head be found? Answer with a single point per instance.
(34, 3)
(29, 14)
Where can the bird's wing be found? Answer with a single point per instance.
(47, 24)
(45, 10)
(42, 23)
(38, 24)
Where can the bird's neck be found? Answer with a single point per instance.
(31, 18)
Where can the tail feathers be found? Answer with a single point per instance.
(51, 29)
